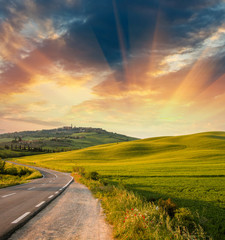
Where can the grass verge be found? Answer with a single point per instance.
(134, 218)
(11, 174)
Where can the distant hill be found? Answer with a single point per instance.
(56, 140)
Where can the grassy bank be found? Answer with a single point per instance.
(135, 218)
(188, 169)
(12, 174)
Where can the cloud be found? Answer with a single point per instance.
(84, 30)
(2, 130)
(130, 57)
(111, 105)
(36, 121)
(184, 57)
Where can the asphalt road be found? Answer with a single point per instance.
(20, 203)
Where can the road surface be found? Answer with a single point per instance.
(19, 203)
(75, 215)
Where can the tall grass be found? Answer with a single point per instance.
(134, 218)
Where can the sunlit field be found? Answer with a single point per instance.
(189, 169)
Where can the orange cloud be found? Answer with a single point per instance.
(11, 42)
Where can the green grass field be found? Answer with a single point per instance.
(189, 169)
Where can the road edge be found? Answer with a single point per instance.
(6, 235)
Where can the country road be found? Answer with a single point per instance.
(19, 203)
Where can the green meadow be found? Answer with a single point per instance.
(188, 169)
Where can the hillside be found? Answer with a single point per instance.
(189, 169)
(56, 140)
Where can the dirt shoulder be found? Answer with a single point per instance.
(76, 215)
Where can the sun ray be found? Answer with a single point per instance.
(121, 40)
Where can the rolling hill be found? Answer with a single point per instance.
(189, 169)
(55, 140)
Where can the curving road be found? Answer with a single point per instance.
(20, 203)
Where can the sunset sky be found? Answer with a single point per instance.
(138, 67)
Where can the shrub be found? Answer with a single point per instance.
(103, 182)
(79, 169)
(184, 217)
(24, 171)
(92, 175)
(12, 171)
(168, 206)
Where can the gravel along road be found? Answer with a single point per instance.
(75, 215)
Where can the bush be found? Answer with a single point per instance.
(168, 206)
(184, 217)
(92, 175)
(24, 171)
(103, 182)
(11, 171)
(79, 169)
